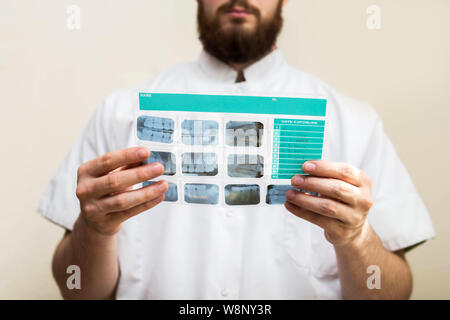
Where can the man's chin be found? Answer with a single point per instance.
(245, 24)
(240, 28)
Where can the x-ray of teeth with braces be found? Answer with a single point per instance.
(223, 150)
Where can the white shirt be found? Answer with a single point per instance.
(177, 252)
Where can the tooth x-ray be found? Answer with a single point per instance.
(167, 159)
(171, 194)
(244, 134)
(245, 165)
(199, 164)
(276, 194)
(241, 194)
(201, 193)
(199, 132)
(155, 129)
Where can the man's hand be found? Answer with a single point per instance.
(344, 202)
(341, 209)
(105, 192)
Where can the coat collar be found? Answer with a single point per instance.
(258, 71)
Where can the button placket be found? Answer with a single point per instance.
(231, 248)
(240, 87)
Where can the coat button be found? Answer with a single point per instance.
(224, 292)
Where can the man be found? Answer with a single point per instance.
(128, 243)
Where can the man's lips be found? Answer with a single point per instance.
(238, 13)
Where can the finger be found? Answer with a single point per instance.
(323, 206)
(336, 170)
(120, 217)
(314, 218)
(130, 199)
(129, 166)
(332, 188)
(113, 160)
(120, 180)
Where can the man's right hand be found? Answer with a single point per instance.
(105, 192)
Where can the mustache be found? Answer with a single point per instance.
(242, 3)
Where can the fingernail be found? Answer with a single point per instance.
(309, 166)
(297, 180)
(162, 186)
(289, 195)
(157, 168)
(142, 153)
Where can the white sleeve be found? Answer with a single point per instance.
(398, 215)
(59, 202)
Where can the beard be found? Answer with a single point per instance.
(238, 45)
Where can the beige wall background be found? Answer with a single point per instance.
(52, 79)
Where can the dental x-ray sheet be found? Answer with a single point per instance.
(226, 150)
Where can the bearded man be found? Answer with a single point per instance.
(360, 211)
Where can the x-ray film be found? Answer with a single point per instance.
(199, 132)
(244, 134)
(230, 150)
(167, 159)
(201, 193)
(171, 193)
(276, 194)
(155, 129)
(242, 194)
(199, 164)
(245, 166)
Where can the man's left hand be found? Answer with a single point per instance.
(344, 200)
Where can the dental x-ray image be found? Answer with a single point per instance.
(155, 129)
(244, 134)
(245, 166)
(201, 193)
(199, 132)
(171, 194)
(199, 164)
(241, 194)
(167, 159)
(276, 194)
